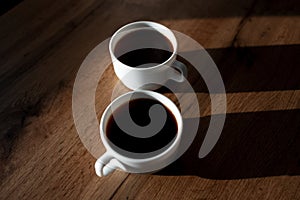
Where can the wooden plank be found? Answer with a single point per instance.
(190, 187)
(272, 23)
(28, 32)
(49, 161)
(270, 30)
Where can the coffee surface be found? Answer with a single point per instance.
(139, 112)
(144, 58)
(143, 48)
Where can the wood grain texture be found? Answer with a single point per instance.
(255, 45)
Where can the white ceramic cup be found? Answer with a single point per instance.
(116, 158)
(149, 78)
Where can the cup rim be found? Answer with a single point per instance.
(121, 157)
(152, 24)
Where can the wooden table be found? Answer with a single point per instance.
(255, 45)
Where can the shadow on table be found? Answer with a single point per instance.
(253, 144)
(248, 69)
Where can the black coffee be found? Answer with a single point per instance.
(139, 112)
(141, 55)
(144, 58)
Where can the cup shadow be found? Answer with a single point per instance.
(249, 69)
(252, 144)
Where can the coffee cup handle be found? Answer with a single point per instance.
(106, 164)
(180, 72)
